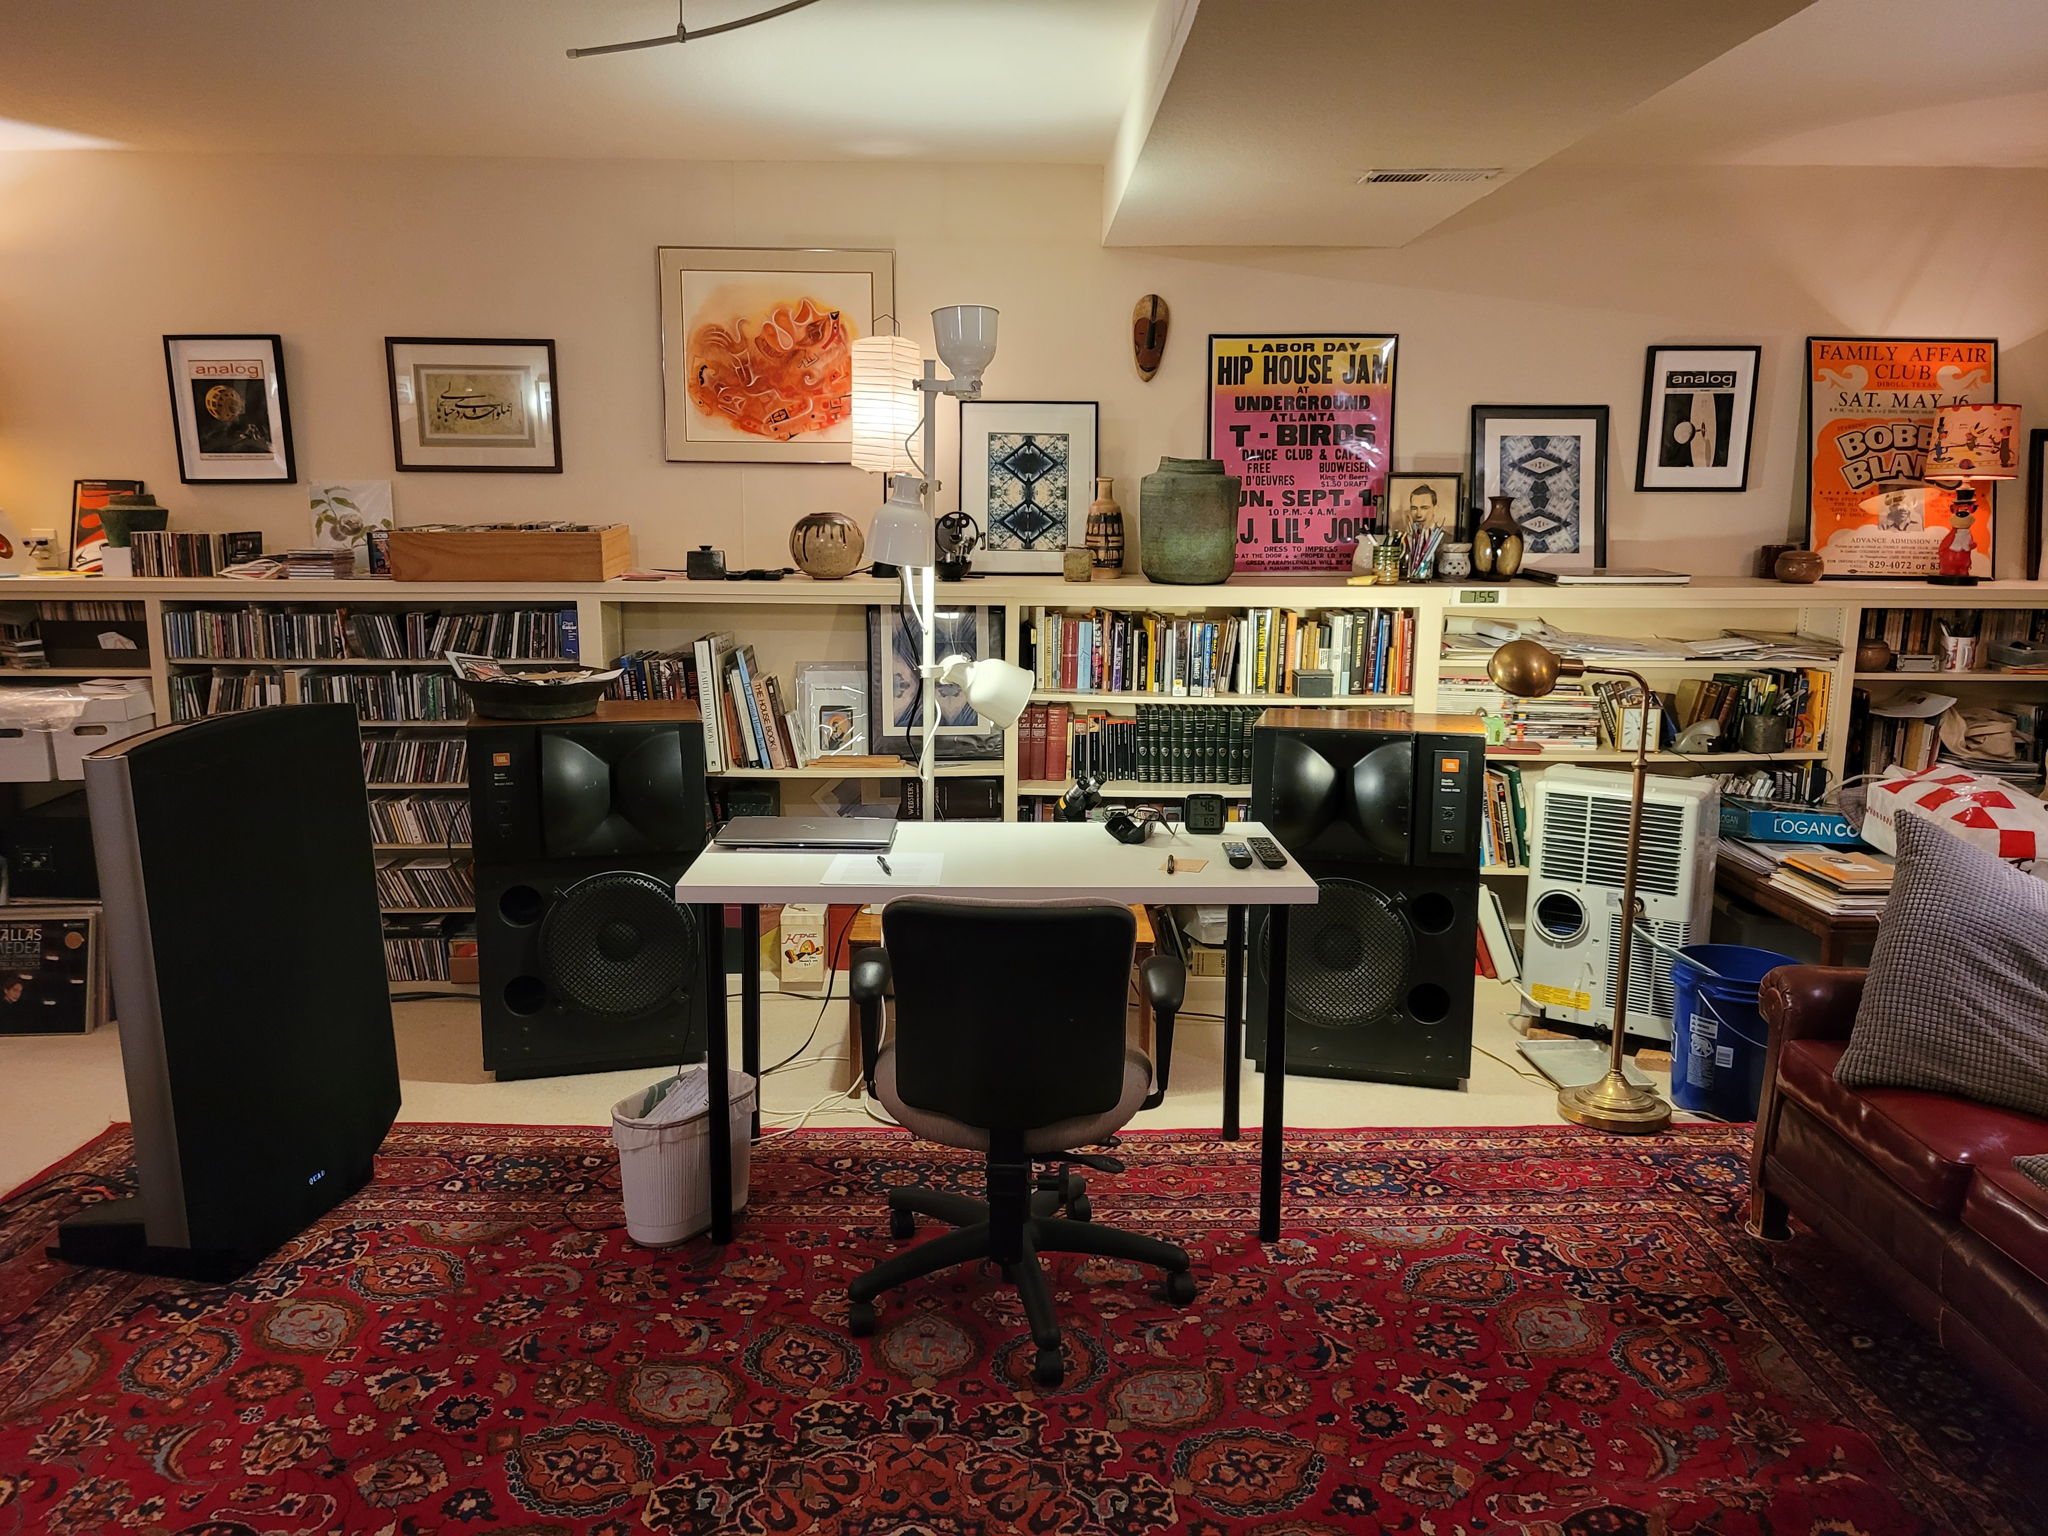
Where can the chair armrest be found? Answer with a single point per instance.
(1165, 981)
(869, 982)
(1811, 1002)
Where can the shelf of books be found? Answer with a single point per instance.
(387, 657)
(1906, 716)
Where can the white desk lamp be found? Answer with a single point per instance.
(902, 533)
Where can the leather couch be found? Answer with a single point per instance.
(1918, 1188)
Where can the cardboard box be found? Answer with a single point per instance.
(70, 747)
(511, 554)
(25, 756)
(803, 945)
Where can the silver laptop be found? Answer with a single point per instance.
(835, 834)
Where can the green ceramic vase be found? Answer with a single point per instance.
(1187, 522)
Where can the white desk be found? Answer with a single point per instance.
(1009, 861)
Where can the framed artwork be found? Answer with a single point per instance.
(471, 404)
(1699, 411)
(1027, 473)
(229, 408)
(88, 537)
(2037, 468)
(1434, 501)
(1307, 424)
(895, 696)
(755, 359)
(1552, 459)
(1870, 408)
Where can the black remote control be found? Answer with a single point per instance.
(1240, 856)
(1269, 853)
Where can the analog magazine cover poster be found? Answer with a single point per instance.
(1307, 422)
(1871, 405)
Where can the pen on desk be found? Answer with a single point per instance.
(885, 865)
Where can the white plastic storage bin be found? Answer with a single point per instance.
(25, 755)
(665, 1154)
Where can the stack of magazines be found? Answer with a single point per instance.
(1840, 882)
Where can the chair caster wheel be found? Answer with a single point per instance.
(1050, 1368)
(1080, 1209)
(1180, 1288)
(860, 1318)
(902, 1224)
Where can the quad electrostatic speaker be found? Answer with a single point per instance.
(582, 828)
(1382, 809)
(237, 874)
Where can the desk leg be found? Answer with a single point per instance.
(717, 1057)
(1233, 1018)
(750, 1005)
(1273, 1125)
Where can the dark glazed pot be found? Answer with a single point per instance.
(1187, 522)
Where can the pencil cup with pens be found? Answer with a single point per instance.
(1766, 724)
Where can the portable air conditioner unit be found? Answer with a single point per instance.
(1574, 918)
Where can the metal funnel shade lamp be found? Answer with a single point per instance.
(1612, 1102)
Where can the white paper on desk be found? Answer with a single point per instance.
(909, 869)
(1914, 704)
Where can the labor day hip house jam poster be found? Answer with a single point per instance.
(1870, 421)
(1307, 423)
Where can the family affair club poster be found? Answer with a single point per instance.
(1307, 422)
(1871, 407)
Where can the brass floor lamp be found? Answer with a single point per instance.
(1611, 1103)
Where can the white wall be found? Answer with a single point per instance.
(1546, 292)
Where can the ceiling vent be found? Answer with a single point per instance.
(1428, 174)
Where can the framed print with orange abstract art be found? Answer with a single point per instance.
(1870, 409)
(756, 360)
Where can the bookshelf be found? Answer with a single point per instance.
(797, 620)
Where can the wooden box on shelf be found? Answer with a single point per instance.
(511, 554)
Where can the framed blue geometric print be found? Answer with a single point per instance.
(1027, 473)
(1552, 460)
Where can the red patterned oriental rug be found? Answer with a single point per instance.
(1542, 1332)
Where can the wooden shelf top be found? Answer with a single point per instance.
(1132, 789)
(1250, 700)
(1936, 679)
(1608, 755)
(64, 672)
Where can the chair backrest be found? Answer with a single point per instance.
(1009, 1015)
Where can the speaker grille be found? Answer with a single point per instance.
(618, 947)
(1348, 957)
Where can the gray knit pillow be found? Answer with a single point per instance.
(1957, 996)
(2035, 1168)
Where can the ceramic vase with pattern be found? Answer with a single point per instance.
(1497, 541)
(1106, 531)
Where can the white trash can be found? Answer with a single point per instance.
(662, 1134)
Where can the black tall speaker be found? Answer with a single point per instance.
(1385, 816)
(248, 964)
(581, 829)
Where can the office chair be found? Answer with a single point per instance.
(1008, 1039)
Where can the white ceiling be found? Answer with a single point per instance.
(963, 80)
(1857, 82)
(1220, 122)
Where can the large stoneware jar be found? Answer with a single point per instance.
(1187, 522)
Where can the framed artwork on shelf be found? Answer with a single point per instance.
(229, 409)
(1870, 408)
(2037, 469)
(1699, 413)
(88, 535)
(1431, 500)
(1027, 472)
(473, 404)
(756, 366)
(1552, 460)
(895, 697)
(1306, 421)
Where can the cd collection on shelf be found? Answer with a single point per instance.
(261, 633)
(416, 956)
(423, 820)
(416, 760)
(1259, 653)
(413, 884)
(379, 697)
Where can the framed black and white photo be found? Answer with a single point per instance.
(1552, 461)
(470, 404)
(895, 692)
(1699, 408)
(1027, 474)
(1415, 498)
(229, 409)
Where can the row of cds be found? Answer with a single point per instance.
(377, 696)
(416, 760)
(436, 820)
(258, 633)
(409, 957)
(425, 883)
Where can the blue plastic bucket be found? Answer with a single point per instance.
(1718, 1035)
